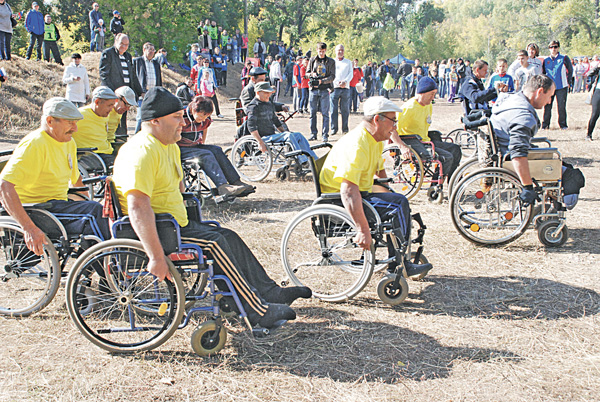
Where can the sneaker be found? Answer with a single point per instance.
(274, 315)
(588, 138)
(220, 116)
(333, 132)
(564, 128)
(344, 132)
(325, 138)
(287, 295)
(313, 137)
(230, 189)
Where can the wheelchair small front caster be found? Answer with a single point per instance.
(282, 173)
(549, 237)
(391, 293)
(435, 195)
(205, 341)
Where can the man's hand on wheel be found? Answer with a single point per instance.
(528, 195)
(363, 238)
(35, 240)
(160, 269)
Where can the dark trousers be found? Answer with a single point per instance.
(369, 88)
(288, 85)
(87, 217)
(561, 103)
(32, 39)
(214, 162)
(340, 97)
(51, 46)
(217, 71)
(232, 258)
(319, 101)
(215, 102)
(595, 113)
(353, 99)
(304, 99)
(5, 39)
(449, 154)
(224, 77)
(243, 54)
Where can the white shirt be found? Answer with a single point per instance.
(76, 90)
(343, 72)
(275, 71)
(523, 74)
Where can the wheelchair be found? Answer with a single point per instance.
(197, 183)
(122, 308)
(410, 174)
(254, 165)
(92, 166)
(28, 282)
(318, 250)
(485, 205)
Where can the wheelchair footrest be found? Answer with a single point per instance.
(262, 332)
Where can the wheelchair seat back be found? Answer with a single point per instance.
(545, 164)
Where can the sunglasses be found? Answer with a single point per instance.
(553, 47)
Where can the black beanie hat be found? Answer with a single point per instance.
(159, 102)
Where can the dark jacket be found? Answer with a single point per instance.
(476, 96)
(140, 71)
(324, 68)
(116, 25)
(184, 93)
(248, 94)
(262, 117)
(111, 73)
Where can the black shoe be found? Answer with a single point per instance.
(344, 132)
(413, 269)
(333, 132)
(287, 295)
(325, 138)
(313, 137)
(275, 313)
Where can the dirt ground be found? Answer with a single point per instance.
(514, 323)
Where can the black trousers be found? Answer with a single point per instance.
(32, 39)
(51, 46)
(232, 258)
(595, 113)
(561, 103)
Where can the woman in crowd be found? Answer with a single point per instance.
(6, 30)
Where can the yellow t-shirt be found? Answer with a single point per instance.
(92, 131)
(415, 119)
(147, 165)
(114, 119)
(356, 157)
(41, 168)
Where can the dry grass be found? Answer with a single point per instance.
(515, 323)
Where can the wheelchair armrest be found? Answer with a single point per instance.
(233, 99)
(537, 140)
(188, 196)
(121, 136)
(470, 125)
(83, 150)
(382, 180)
(331, 196)
(95, 179)
(321, 145)
(6, 152)
(75, 190)
(41, 205)
(296, 153)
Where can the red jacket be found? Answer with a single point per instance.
(357, 75)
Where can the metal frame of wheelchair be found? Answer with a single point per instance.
(197, 183)
(409, 175)
(120, 307)
(318, 250)
(28, 283)
(92, 166)
(254, 165)
(484, 203)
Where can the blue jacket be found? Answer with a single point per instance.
(559, 69)
(475, 95)
(34, 22)
(515, 123)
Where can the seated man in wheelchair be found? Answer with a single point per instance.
(262, 121)
(148, 178)
(39, 171)
(92, 130)
(473, 91)
(126, 100)
(213, 160)
(414, 119)
(516, 122)
(257, 74)
(352, 164)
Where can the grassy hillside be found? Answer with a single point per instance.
(31, 83)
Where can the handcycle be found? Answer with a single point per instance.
(122, 308)
(28, 282)
(485, 205)
(318, 249)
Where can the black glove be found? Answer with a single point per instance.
(528, 195)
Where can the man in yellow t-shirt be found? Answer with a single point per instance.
(415, 119)
(148, 177)
(40, 170)
(92, 131)
(352, 164)
(126, 100)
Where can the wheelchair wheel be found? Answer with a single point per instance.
(132, 310)
(485, 207)
(391, 293)
(548, 235)
(250, 163)
(205, 342)
(435, 195)
(464, 169)
(467, 140)
(91, 165)
(28, 282)
(318, 251)
(407, 174)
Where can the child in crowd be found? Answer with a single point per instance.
(433, 74)
(245, 75)
(502, 81)
(524, 72)
(206, 85)
(193, 55)
(453, 83)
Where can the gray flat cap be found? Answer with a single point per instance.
(263, 87)
(61, 108)
(103, 93)
(128, 94)
(254, 71)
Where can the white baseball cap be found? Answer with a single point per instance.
(379, 104)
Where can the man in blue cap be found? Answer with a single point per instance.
(415, 119)
(34, 23)
(148, 177)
